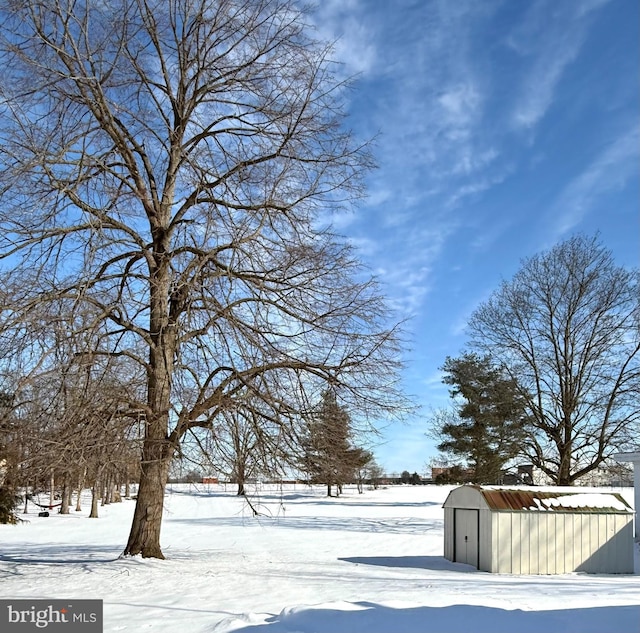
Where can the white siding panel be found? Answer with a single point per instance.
(495, 535)
(558, 536)
(591, 562)
(574, 548)
(485, 541)
(550, 521)
(516, 542)
(504, 542)
(525, 542)
(583, 546)
(542, 521)
(534, 544)
(622, 557)
(448, 533)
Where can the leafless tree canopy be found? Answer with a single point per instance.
(567, 328)
(163, 170)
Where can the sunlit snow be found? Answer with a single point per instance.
(370, 563)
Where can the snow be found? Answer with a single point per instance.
(581, 500)
(308, 564)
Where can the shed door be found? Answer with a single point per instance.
(466, 524)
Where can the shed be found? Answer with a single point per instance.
(513, 531)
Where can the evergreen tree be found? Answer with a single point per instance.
(328, 455)
(8, 492)
(491, 423)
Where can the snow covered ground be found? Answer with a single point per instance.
(369, 563)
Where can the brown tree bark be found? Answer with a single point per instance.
(144, 537)
(95, 497)
(66, 496)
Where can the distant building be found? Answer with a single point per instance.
(451, 474)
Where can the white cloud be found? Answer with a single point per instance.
(552, 35)
(409, 263)
(459, 324)
(337, 21)
(476, 186)
(539, 89)
(431, 98)
(365, 246)
(434, 381)
(608, 172)
(460, 106)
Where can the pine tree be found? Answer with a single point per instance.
(328, 455)
(491, 424)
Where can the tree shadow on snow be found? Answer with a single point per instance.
(56, 554)
(366, 617)
(387, 525)
(439, 563)
(339, 501)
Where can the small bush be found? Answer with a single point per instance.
(8, 502)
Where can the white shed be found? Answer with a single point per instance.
(512, 531)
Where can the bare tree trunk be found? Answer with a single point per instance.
(239, 472)
(144, 537)
(157, 452)
(107, 490)
(157, 449)
(564, 470)
(66, 496)
(80, 487)
(94, 500)
(52, 485)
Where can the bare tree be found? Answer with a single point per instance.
(247, 444)
(73, 418)
(374, 473)
(164, 165)
(566, 328)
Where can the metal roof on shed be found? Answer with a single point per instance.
(543, 500)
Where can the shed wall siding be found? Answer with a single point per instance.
(543, 542)
(559, 543)
(485, 540)
(448, 533)
(610, 548)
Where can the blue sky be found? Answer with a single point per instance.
(504, 127)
